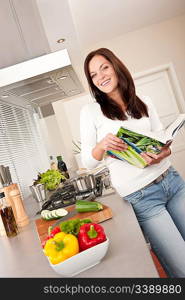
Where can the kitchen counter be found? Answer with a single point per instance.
(128, 255)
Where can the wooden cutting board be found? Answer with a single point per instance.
(96, 216)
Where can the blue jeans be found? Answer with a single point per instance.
(160, 210)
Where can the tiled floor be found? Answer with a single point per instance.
(159, 268)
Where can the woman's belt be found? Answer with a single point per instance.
(158, 179)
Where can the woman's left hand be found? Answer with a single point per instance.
(152, 158)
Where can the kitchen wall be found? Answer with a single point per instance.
(140, 50)
(52, 136)
(67, 115)
(152, 46)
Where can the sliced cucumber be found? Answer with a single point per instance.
(48, 216)
(53, 214)
(61, 212)
(44, 213)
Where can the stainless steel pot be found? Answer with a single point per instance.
(38, 192)
(84, 183)
(91, 181)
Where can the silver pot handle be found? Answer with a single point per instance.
(91, 197)
(91, 181)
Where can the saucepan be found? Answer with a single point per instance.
(84, 183)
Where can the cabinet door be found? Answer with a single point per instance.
(21, 31)
(160, 87)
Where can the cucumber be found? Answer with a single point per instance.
(44, 213)
(53, 214)
(47, 216)
(61, 212)
(86, 206)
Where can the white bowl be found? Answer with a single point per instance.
(81, 261)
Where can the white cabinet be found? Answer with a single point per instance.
(21, 31)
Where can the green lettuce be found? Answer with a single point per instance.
(51, 179)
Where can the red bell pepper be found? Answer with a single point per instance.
(51, 234)
(44, 241)
(54, 231)
(90, 234)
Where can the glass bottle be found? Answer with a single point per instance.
(8, 217)
(62, 166)
(53, 165)
(2, 229)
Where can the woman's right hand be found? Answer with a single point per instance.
(112, 142)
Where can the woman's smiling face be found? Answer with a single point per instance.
(102, 74)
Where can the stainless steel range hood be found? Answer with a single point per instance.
(40, 81)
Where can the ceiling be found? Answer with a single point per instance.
(100, 20)
(87, 22)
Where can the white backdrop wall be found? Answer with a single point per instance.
(68, 116)
(53, 139)
(151, 46)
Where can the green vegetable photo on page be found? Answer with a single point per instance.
(149, 142)
(137, 143)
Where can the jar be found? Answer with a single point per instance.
(8, 218)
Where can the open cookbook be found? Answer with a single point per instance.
(149, 142)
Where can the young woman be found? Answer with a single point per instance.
(157, 192)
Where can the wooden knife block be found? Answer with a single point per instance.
(13, 198)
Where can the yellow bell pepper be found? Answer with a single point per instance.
(61, 247)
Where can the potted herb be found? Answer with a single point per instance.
(47, 181)
(51, 179)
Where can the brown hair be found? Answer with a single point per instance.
(136, 108)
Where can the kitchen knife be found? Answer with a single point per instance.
(1, 180)
(3, 175)
(6, 175)
(72, 213)
(9, 177)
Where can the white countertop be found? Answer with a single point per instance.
(128, 255)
